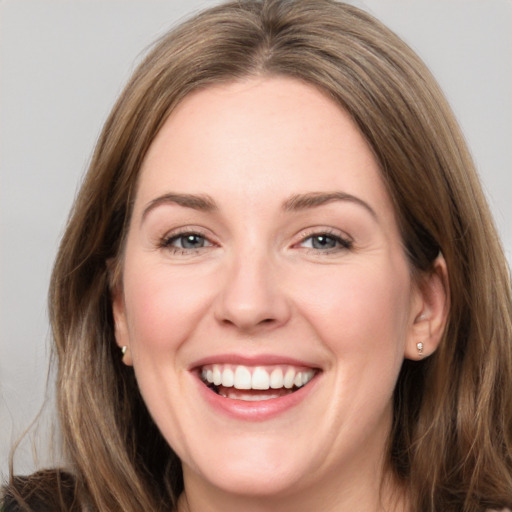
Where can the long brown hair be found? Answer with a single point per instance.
(451, 440)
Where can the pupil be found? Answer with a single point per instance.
(192, 241)
(323, 242)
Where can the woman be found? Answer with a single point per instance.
(280, 287)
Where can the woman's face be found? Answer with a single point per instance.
(266, 300)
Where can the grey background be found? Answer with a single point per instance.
(62, 64)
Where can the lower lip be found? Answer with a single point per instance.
(255, 411)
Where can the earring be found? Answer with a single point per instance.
(126, 356)
(419, 346)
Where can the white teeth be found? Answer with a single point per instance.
(307, 376)
(242, 378)
(217, 375)
(276, 379)
(255, 398)
(228, 378)
(260, 378)
(289, 377)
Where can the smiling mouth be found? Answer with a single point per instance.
(239, 382)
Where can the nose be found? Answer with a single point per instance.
(253, 295)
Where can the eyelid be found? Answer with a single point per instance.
(345, 241)
(343, 238)
(165, 241)
(173, 238)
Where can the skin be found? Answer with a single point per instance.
(258, 282)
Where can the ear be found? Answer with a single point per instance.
(120, 323)
(429, 312)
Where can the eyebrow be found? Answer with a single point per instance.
(314, 199)
(200, 202)
(204, 202)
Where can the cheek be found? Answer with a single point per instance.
(163, 306)
(360, 308)
(360, 315)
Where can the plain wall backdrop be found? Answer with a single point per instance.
(63, 63)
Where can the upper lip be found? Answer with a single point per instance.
(252, 360)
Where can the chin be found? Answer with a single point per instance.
(250, 464)
(252, 479)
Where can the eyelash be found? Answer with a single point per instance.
(340, 242)
(167, 241)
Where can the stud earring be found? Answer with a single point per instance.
(419, 346)
(124, 348)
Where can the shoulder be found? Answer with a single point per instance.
(45, 491)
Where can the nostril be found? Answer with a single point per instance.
(265, 321)
(249, 308)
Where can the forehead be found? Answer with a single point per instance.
(259, 138)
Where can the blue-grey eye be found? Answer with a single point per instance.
(187, 242)
(325, 242)
(190, 241)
